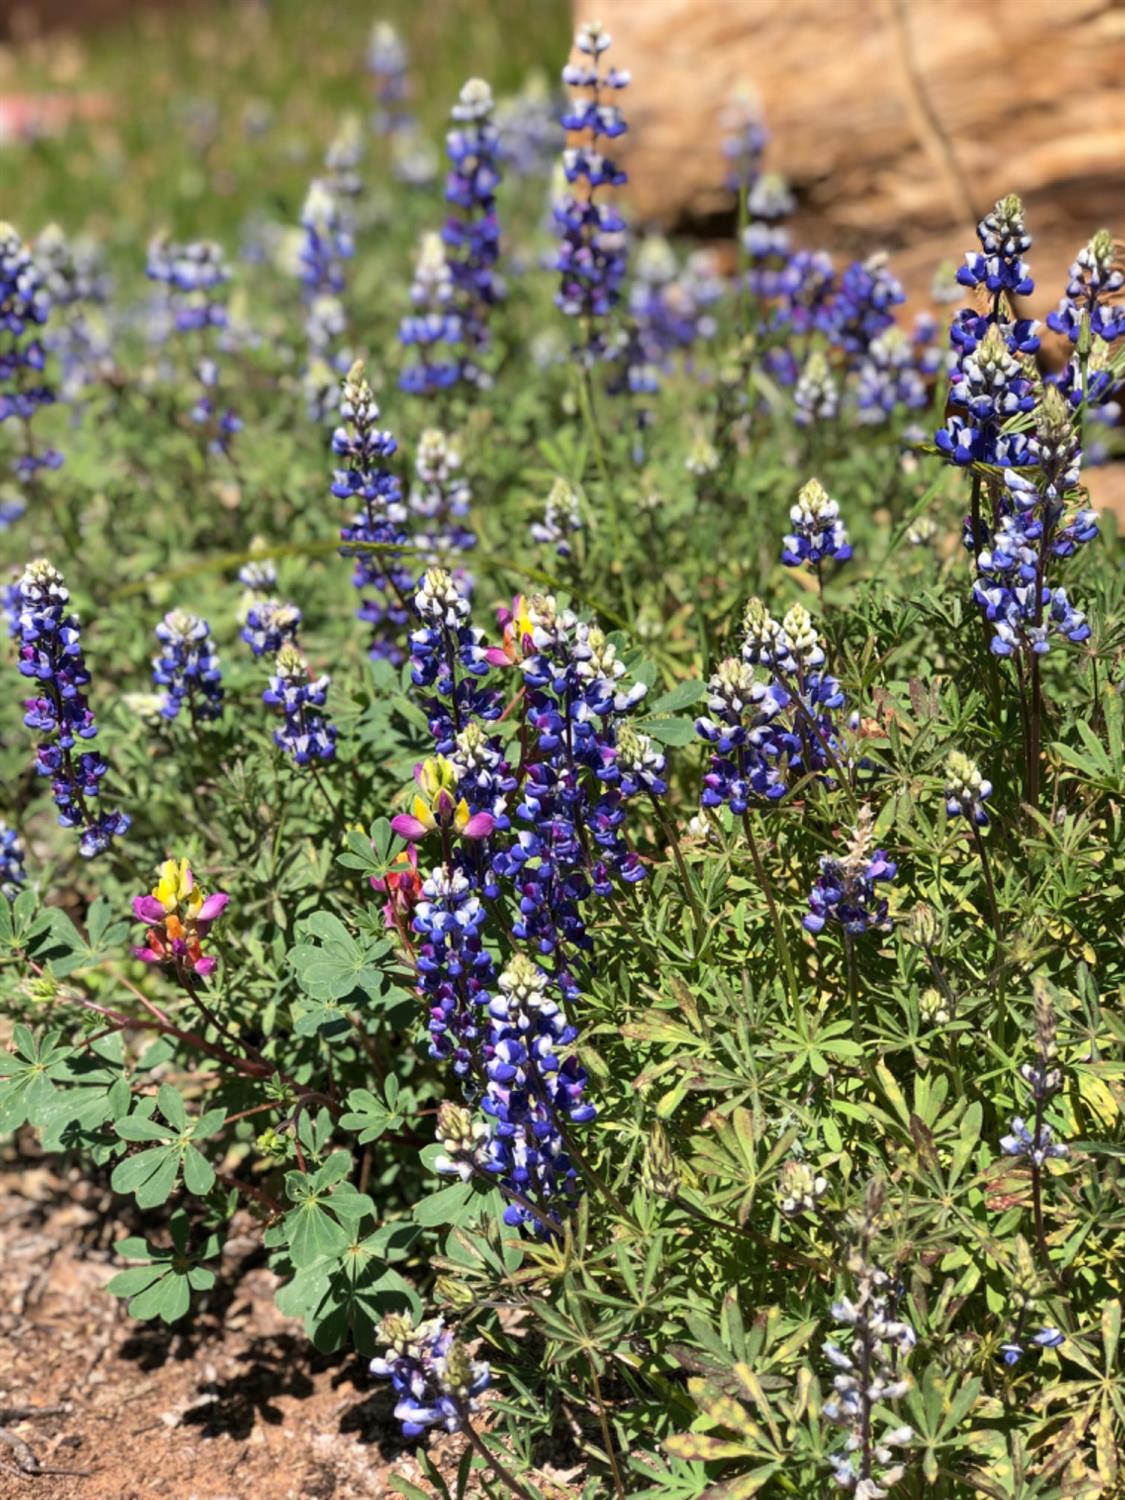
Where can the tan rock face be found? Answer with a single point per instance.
(897, 122)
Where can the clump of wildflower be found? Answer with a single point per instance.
(188, 667)
(966, 790)
(818, 533)
(702, 459)
(307, 733)
(436, 1382)
(432, 323)
(1026, 1290)
(869, 1355)
(402, 886)
(363, 451)
(178, 916)
(660, 1173)
(50, 652)
(195, 278)
(993, 386)
(815, 395)
(562, 519)
(270, 624)
(12, 871)
(845, 892)
(25, 306)
(472, 229)
(592, 253)
(668, 311)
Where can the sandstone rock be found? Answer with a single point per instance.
(897, 122)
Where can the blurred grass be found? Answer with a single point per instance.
(229, 108)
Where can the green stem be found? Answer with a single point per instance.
(494, 1463)
(673, 840)
(775, 915)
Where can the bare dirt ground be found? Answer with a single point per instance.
(232, 1404)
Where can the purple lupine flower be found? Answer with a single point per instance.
(745, 138)
(998, 265)
(668, 311)
(861, 307)
(270, 624)
(326, 244)
(436, 1382)
(1092, 317)
(561, 519)
(845, 892)
(307, 733)
(889, 378)
(363, 451)
(77, 287)
(195, 277)
(342, 178)
(454, 968)
(433, 327)
(989, 378)
(12, 872)
(1014, 587)
(993, 387)
(765, 238)
(439, 502)
(188, 667)
(592, 252)
(472, 228)
(50, 652)
(527, 124)
(534, 1087)
(767, 735)
(818, 534)
(1046, 1338)
(815, 396)
(387, 62)
(966, 790)
(25, 306)
(868, 1356)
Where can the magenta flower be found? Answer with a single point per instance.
(178, 917)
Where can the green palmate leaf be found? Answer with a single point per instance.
(683, 695)
(162, 1286)
(449, 1205)
(29, 1075)
(370, 1116)
(151, 1175)
(669, 731)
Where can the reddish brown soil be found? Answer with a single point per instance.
(233, 1404)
